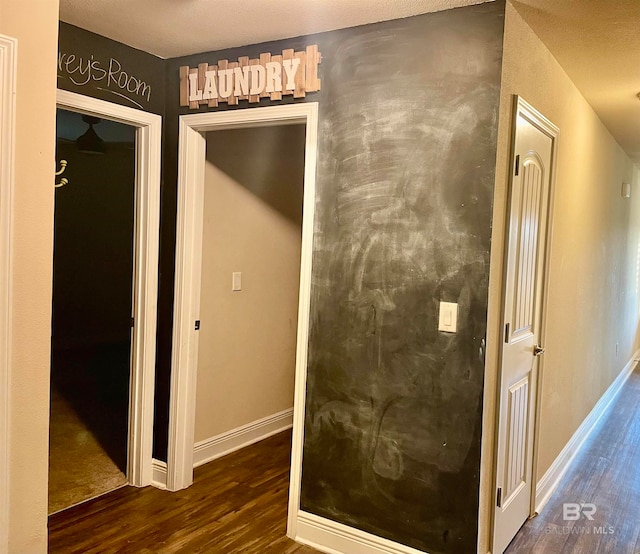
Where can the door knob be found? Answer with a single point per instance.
(538, 350)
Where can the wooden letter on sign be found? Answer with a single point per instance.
(270, 76)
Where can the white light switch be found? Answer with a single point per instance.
(448, 317)
(236, 280)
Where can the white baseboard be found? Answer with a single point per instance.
(159, 476)
(210, 449)
(220, 445)
(335, 538)
(551, 479)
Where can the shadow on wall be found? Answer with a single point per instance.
(256, 168)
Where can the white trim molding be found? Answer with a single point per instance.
(552, 478)
(191, 163)
(211, 449)
(145, 278)
(225, 443)
(159, 478)
(335, 538)
(8, 76)
(550, 129)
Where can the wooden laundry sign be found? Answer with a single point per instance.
(289, 73)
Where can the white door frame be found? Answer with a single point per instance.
(522, 108)
(191, 164)
(145, 272)
(526, 110)
(8, 74)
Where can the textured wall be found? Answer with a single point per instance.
(592, 298)
(593, 270)
(405, 180)
(32, 254)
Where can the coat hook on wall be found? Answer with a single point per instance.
(63, 181)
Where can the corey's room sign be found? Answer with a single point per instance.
(289, 73)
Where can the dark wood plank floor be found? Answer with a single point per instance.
(606, 474)
(236, 504)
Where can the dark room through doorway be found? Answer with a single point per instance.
(92, 307)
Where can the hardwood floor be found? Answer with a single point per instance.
(237, 504)
(606, 474)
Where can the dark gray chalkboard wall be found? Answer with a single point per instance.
(405, 184)
(96, 66)
(406, 158)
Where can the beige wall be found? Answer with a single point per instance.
(252, 224)
(35, 24)
(593, 290)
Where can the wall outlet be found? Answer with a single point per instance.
(236, 281)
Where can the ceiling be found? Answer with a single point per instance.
(173, 28)
(594, 40)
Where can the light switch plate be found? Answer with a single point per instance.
(236, 281)
(448, 321)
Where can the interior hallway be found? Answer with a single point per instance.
(605, 474)
(237, 504)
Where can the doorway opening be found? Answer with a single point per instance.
(188, 321)
(250, 278)
(92, 299)
(104, 295)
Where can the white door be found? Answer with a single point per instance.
(523, 302)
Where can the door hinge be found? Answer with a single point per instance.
(538, 350)
(518, 164)
(499, 497)
(133, 321)
(197, 325)
(506, 333)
